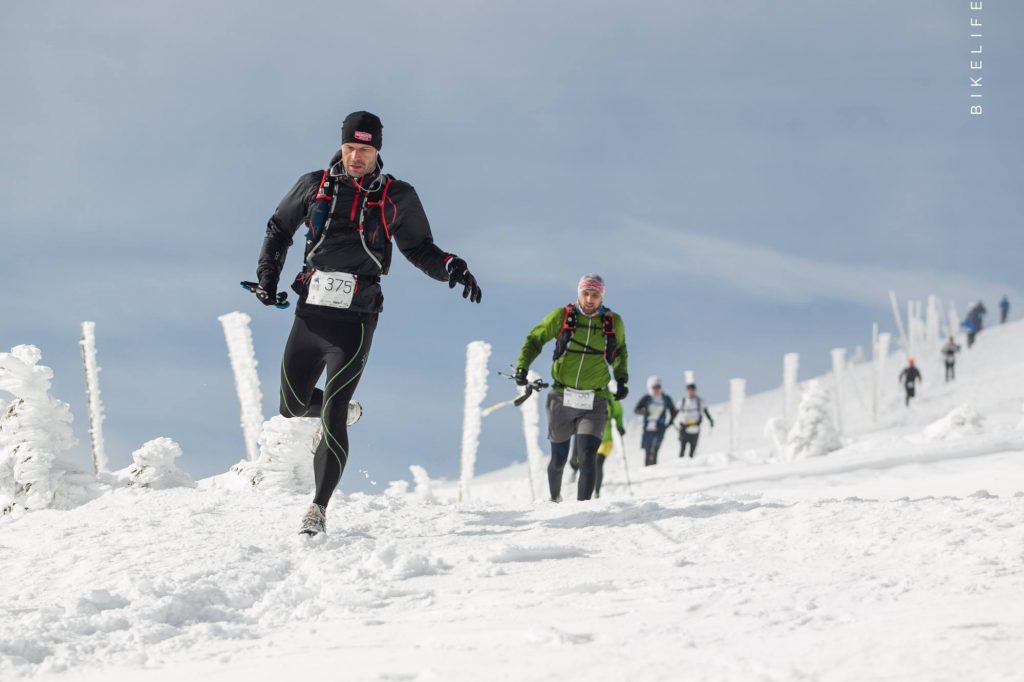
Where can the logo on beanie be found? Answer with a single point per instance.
(362, 137)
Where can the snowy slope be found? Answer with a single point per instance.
(900, 556)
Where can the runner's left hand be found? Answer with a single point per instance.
(458, 273)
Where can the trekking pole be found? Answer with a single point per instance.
(535, 385)
(282, 297)
(625, 461)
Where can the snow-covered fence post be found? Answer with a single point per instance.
(932, 323)
(92, 396)
(881, 352)
(899, 320)
(790, 372)
(838, 365)
(477, 355)
(954, 319)
(247, 381)
(688, 377)
(737, 394)
(531, 434)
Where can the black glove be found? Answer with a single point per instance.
(520, 377)
(622, 390)
(622, 430)
(712, 422)
(266, 292)
(458, 273)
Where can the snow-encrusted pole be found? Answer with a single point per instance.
(899, 320)
(92, 396)
(790, 372)
(881, 352)
(531, 434)
(933, 320)
(838, 365)
(477, 354)
(247, 381)
(954, 319)
(688, 377)
(737, 393)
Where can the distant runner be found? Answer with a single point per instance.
(1004, 309)
(605, 450)
(692, 411)
(909, 378)
(658, 412)
(949, 351)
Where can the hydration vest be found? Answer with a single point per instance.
(374, 197)
(565, 337)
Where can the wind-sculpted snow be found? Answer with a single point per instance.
(962, 422)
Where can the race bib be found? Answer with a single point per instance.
(693, 429)
(331, 289)
(579, 400)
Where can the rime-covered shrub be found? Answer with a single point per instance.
(35, 428)
(814, 432)
(775, 432)
(285, 461)
(153, 467)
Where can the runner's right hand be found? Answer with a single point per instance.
(266, 292)
(520, 377)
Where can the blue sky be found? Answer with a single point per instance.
(751, 177)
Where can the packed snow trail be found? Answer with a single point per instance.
(899, 556)
(214, 582)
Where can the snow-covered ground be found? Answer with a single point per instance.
(900, 556)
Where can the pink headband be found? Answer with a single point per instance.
(591, 284)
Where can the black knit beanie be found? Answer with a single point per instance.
(362, 127)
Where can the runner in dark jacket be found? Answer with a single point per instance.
(352, 212)
(658, 412)
(1004, 309)
(909, 378)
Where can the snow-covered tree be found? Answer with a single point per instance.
(35, 428)
(285, 461)
(154, 467)
(814, 432)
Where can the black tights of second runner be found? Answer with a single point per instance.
(688, 438)
(340, 346)
(586, 454)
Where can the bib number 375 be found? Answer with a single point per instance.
(332, 289)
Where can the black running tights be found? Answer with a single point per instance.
(340, 346)
(586, 455)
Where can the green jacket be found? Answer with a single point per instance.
(614, 414)
(576, 369)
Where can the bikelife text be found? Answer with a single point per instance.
(975, 61)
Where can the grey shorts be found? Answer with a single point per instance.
(564, 422)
